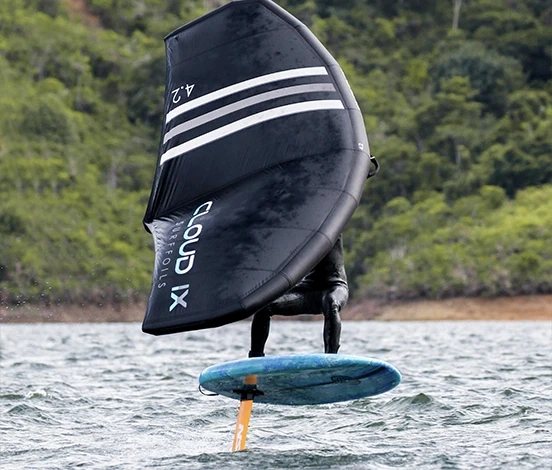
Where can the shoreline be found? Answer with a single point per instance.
(533, 308)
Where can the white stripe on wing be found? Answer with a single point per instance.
(245, 103)
(237, 87)
(249, 121)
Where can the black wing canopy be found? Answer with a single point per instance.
(262, 162)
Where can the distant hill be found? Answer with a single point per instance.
(457, 101)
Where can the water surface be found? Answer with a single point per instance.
(107, 396)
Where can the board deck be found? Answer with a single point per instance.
(310, 379)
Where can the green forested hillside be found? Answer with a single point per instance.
(457, 100)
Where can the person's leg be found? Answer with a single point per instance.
(289, 304)
(260, 327)
(332, 303)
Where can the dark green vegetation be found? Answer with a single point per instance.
(457, 99)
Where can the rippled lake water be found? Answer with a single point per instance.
(107, 396)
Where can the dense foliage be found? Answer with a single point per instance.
(457, 99)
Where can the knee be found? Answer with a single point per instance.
(334, 300)
(264, 314)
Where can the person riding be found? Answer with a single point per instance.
(324, 290)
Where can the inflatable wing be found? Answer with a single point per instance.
(262, 161)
